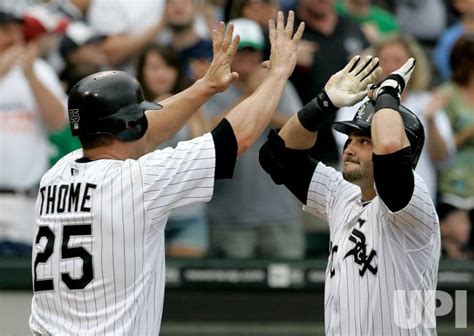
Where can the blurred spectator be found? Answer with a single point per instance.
(129, 27)
(74, 10)
(393, 52)
(212, 12)
(328, 42)
(199, 60)
(160, 74)
(45, 27)
(457, 178)
(287, 5)
(424, 19)
(83, 53)
(249, 215)
(375, 21)
(31, 103)
(455, 231)
(180, 17)
(39, 21)
(442, 51)
(259, 11)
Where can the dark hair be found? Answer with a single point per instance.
(96, 140)
(237, 7)
(171, 58)
(462, 60)
(445, 209)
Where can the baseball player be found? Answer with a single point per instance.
(385, 241)
(98, 256)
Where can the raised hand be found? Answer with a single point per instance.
(394, 83)
(349, 86)
(27, 59)
(219, 76)
(284, 44)
(8, 58)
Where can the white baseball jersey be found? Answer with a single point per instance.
(98, 258)
(383, 265)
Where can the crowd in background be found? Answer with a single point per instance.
(47, 46)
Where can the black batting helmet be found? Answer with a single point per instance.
(109, 102)
(362, 121)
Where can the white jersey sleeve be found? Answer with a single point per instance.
(415, 225)
(326, 188)
(177, 177)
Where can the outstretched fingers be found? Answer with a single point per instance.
(271, 31)
(228, 37)
(280, 22)
(362, 65)
(373, 77)
(352, 64)
(299, 33)
(217, 37)
(369, 69)
(289, 24)
(408, 67)
(233, 46)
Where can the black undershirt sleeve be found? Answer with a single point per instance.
(291, 167)
(225, 144)
(394, 179)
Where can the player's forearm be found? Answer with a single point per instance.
(296, 136)
(388, 132)
(279, 120)
(120, 48)
(176, 112)
(251, 116)
(51, 108)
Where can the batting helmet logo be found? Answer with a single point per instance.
(362, 123)
(74, 118)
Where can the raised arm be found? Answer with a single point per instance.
(285, 155)
(51, 108)
(344, 88)
(164, 123)
(249, 118)
(388, 131)
(392, 157)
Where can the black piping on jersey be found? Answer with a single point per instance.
(394, 178)
(225, 144)
(291, 167)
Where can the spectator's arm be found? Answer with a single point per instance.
(437, 146)
(120, 48)
(462, 136)
(50, 106)
(440, 137)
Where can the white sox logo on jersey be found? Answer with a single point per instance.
(361, 256)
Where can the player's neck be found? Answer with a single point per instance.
(367, 194)
(107, 153)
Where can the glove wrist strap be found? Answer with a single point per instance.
(387, 100)
(313, 114)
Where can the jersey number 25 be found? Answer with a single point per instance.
(66, 253)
